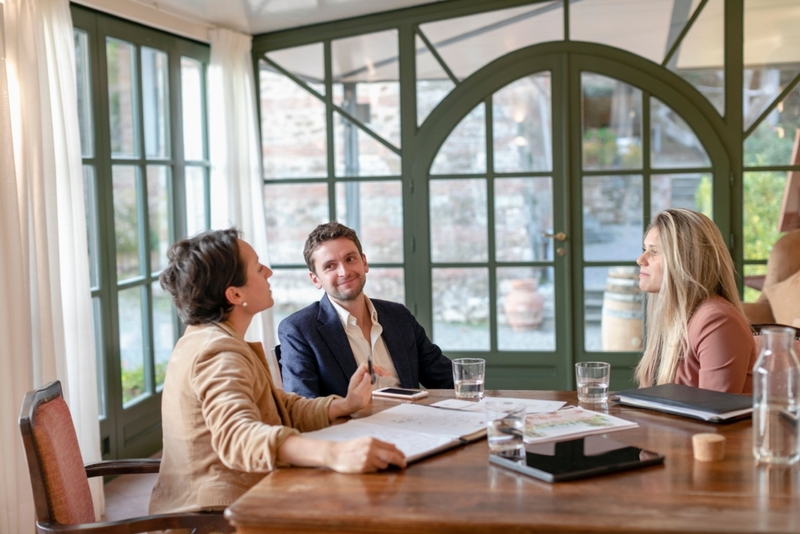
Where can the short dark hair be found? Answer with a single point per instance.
(327, 232)
(200, 269)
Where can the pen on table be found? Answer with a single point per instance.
(371, 368)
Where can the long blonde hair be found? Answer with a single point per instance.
(696, 266)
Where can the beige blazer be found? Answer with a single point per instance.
(223, 420)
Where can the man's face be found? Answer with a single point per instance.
(340, 270)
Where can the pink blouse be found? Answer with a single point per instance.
(721, 352)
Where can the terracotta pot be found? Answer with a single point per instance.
(524, 304)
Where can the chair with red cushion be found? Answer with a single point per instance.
(60, 480)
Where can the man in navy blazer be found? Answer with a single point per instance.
(323, 344)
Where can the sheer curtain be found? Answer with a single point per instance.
(237, 188)
(16, 373)
(46, 331)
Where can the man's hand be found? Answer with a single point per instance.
(359, 392)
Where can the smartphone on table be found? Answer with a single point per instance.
(400, 393)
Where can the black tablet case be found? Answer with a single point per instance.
(569, 462)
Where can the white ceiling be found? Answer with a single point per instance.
(466, 43)
(261, 16)
(193, 18)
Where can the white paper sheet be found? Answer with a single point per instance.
(428, 420)
(531, 405)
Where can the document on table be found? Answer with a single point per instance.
(531, 405)
(570, 423)
(417, 430)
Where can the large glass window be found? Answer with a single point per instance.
(539, 187)
(466, 44)
(490, 197)
(687, 37)
(615, 208)
(333, 159)
(771, 113)
(141, 194)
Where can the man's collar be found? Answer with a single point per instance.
(344, 315)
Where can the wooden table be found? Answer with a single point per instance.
(460, 491)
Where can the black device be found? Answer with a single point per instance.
(578, 458)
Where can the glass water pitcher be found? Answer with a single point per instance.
(776, 398)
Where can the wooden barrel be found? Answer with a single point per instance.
(622, 326)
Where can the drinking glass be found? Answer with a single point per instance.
(468, 374)
(592, 379)
(505, 425)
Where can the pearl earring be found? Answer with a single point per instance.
(244, 304)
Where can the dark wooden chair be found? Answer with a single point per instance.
(60, 480)
(276, 351)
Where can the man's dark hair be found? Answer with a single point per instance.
(200, 269)
(327, 232)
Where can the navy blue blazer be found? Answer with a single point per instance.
(317, 360)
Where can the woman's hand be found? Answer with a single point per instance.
(363, 455)
(359, 392)
(360, 455)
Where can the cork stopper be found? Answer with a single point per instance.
(708, 447)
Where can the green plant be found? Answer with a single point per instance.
(769, 145)
(750, 294)
(703, 197)
(599, 148)
(763, 192)
(133, 383)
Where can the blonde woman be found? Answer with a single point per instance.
(696, 334)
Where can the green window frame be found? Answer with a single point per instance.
(130, 103)
(730, 201)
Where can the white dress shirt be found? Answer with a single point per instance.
(361, 347)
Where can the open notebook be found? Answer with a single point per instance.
(417, 430)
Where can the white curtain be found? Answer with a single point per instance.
(237, 189)
(16, 374)
(46, 327)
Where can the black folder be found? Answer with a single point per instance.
(705, 404)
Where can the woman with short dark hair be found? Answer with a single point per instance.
(224, 423)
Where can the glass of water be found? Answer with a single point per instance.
(505, 425)
(592, 379)
(468, 376)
